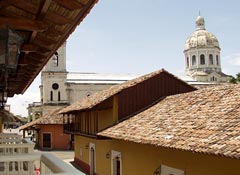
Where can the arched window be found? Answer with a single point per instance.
(202, 59)
(51, 96)
(213, 78)
(187, 62)
(210, 59)
(193, 60)
(59, 96)
(217, 60)
(55, 60)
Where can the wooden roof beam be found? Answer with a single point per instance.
(4, 3)
(29, 48)
(57, 19)
(23, 24)
(35, 57)
(86, 9)
(25, 6)
(43, 43)
(41, 12)
(43, 9)
(40, 15)
(71, 5)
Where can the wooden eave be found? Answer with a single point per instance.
(45, 25)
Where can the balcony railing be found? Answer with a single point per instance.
(34, 104)
(17, 157)
(28, 164)
(14, 144)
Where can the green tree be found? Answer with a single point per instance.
(235, 80)
(238, 77)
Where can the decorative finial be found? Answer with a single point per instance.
(199, 13)
(200, 24)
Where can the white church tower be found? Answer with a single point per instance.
(203, 55)
(53, 77)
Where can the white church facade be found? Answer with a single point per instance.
(60, 88)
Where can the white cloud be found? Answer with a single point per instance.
(19, 103)
(233, 59)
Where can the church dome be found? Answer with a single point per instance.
(201, 38)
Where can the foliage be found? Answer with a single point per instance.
(235, 80)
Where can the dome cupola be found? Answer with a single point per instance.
(200, 24)
(201, 38)
(202, 51)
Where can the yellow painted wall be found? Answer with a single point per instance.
(109, 116)
(82, 153)
(138, 159)
(105, 118)
(145, 159)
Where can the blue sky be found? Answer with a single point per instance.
(140, 36)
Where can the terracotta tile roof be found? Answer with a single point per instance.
(51, 117)
(99, 97)
(204, 121)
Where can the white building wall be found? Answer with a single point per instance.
(61, 61)
(79, 91)
(48, 79)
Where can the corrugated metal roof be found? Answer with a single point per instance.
(98, 78)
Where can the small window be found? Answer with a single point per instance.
(55, 86)
(213, 78)
(2, 167)
(116, 162)
(25, 166)
(202, 59)
(59, 96)
(211, 59)
(187, 62)
(10, 166)
(117, 166)
(217, 60)
(55, 60)
(193, 60)
(16, 166)
(51, 96)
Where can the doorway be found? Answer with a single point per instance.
(47, 139)
(92, 159)
(116, 163)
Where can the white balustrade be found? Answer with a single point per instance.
(17, 156)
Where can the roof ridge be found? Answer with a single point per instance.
(107, 93)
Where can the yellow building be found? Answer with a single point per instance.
(193, 134)
(140, 127)
(99, 111)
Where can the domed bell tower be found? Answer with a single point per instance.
(202, 54)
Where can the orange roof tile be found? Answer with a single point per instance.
(51, 117)
(204, 121)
